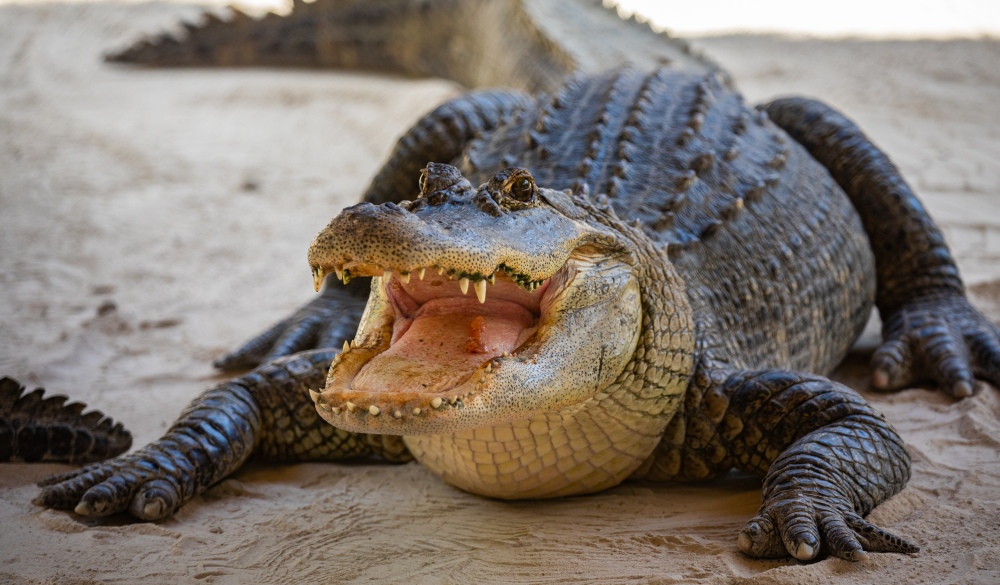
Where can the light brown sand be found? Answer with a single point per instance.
(187, 199)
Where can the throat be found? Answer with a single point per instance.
(443, 343)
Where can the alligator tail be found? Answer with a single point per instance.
(527, 45)
(38, 429)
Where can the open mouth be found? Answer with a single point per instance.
(433, 338)
(442, 334)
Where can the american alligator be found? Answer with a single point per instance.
(655, 268)
(35, 428)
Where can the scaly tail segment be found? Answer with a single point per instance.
(531, 46)
(34, 428)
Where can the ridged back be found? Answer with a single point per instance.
(35, 428)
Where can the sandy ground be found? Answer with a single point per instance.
(186, 200)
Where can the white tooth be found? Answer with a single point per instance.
(354, 343)
(339, 271)
(480, 290)
(463, 283)
(453, 400)
(440, 270)
(386, 276)
(420, 273)
(324, 406)
(397, 414)
(489, 367)
(347, 347)
(314, 395)
(318, 275)
(436, 402)
(350, 407)
(373, 410)
(336, 410)
(416, 411)
(492, 278)
(405, 277)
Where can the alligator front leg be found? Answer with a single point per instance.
(440, 136)
(267, 413)
(930, 330)
(828, 458)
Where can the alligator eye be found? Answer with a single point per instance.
(523, 189)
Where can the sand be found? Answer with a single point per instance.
(182, 203)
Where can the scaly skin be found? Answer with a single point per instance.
(736, 258)
(526, 45)
(33, 428)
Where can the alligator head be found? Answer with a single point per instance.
(487, 305)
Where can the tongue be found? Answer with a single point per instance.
(447, 339)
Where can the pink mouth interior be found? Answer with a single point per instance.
(440, 336)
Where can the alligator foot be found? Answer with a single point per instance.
(802, 521)
(324, 322)
(137, 483)
(828, 458)
(942, 339)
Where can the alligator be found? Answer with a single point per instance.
(662, 276)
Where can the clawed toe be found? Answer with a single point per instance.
(781, 531)
(944, 340)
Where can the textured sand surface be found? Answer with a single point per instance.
(186, 200)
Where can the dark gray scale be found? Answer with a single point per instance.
(660, 146)
(35, 428)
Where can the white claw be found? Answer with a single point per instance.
(405, 277)
(153, 509)
(463, 283)
(804, 552)
(480, 286)
(373, 410)
(436, 402)
(420, 273)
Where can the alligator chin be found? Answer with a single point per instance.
(439, 351)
